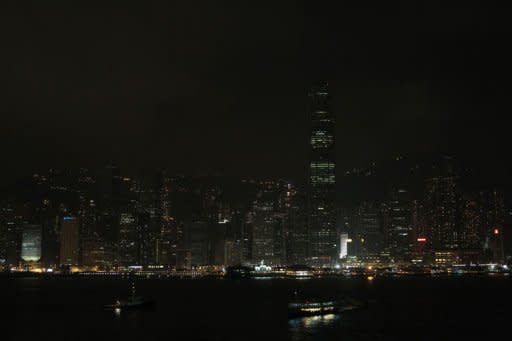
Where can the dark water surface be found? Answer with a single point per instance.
(450, 308)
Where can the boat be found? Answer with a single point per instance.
(298, 309)
(132, 302)
(299, 271)
(313, 307)
(238, 272)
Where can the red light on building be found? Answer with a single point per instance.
(496, 231)
(422, 240)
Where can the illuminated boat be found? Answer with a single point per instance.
(131, 302)
(298, 309)
(301, 307)
(299, 271)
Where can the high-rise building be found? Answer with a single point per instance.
(96, 253)
(69, 241)
(166, 244)
(418, 219)
(296, 229)
(218, 242)
(127, 245)
(264, 224)
(321, 180)
(128, 238)
(471, 237)
(343, 245)
(442, 210)
(149, 198)
(247, 239)
(143, 239)
(197, 242)
(418, 223)
(50, 238)
(87, 211)
(10, 234)
(492, 218)
(400, 232)
(364, 228)
(31, 243)
(108, 205)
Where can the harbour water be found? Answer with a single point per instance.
(426, 308)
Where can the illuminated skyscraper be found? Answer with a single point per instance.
(343, 245)
(321, 191)
(31, 243)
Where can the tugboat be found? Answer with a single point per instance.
(132, 302)
(300, 307)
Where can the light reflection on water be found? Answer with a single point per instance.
(310, 325)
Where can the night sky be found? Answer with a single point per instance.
(221, 87)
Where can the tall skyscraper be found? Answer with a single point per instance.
(69, 241)
(322, 180)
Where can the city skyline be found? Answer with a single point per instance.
(432, 213)
(390, 184)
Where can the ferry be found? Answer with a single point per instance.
(299, 309)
